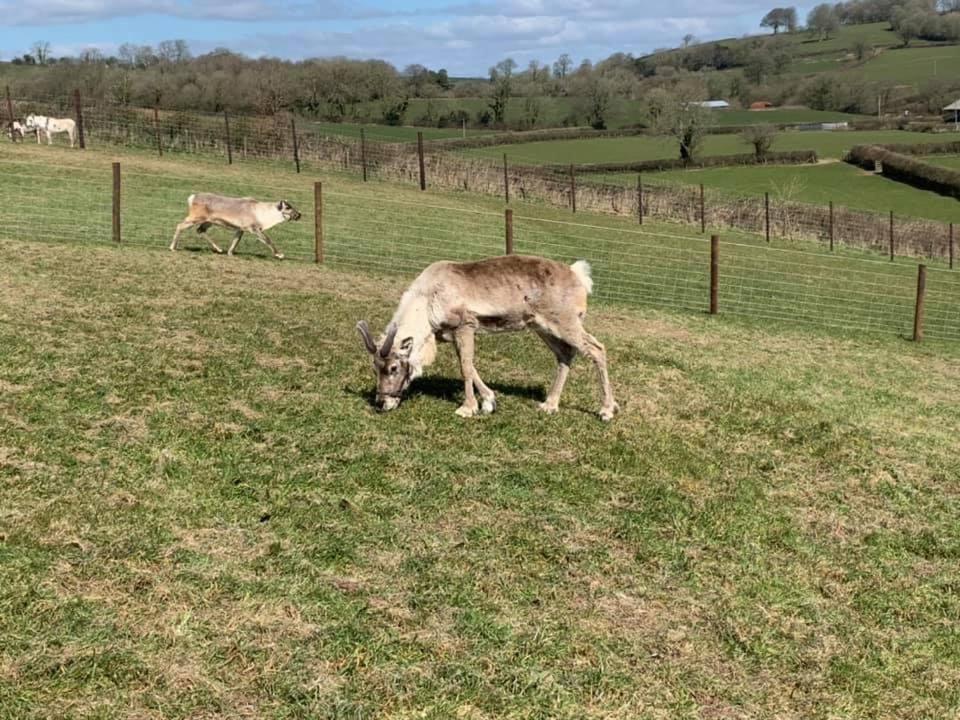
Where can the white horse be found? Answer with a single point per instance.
(49, 125)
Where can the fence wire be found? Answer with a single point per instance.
(632, 265)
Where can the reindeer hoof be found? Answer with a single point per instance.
(548, 408)
(466, 411)
(607, 413)
(279, 256)
(488, 406)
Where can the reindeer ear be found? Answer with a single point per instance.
(280, 206)
(406, 347)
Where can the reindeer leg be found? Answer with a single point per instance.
(269, 243)
(565, 354)
(592, 347)
(236, 241)
(185, 225)
(463, 340)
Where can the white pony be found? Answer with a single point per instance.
(49, 125)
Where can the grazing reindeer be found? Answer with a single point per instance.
(238, 214)
(452, 301)
(50, 125)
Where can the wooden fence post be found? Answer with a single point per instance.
(116, 202)
(573, 189)
(766, 212)
(226, 129)
(423, 169)
(918, 309)
(156, 130)
(891, 236)
(506, 181)
(79, 109)
(508, 226)
(640, 198)
(831, 226)
(951, 246)
(703, 211)
(318, 222)
(296, 147)
(714, 274)
(363, 153)
(13, 136)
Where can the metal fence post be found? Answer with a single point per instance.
(423, 168)
(951, 246)
(573, 189)
(714, 274)
(116, 202)
(156, 130)
(640, 198)
(506, 181)
(766, 211)
(296, 148)
(918, 309)
(891, 236)
(79, 110)
(703, 211)
(363, 153)
(831, 226)
(226, 129)
(508, 227)
(318, 222)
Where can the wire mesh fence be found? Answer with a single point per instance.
(377, 153)
(803, 284)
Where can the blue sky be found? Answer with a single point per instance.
(464, 36)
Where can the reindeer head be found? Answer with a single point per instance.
(391, 365)
(288, 211)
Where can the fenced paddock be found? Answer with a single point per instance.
(55, 195)
(202, 517)
(377, 153)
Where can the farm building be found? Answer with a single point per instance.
(951, 113)
(761, 105)
(714, 104)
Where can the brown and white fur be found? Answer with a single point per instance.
(453, 301)
(238, 214)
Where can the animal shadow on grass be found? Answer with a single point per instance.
(450, 389)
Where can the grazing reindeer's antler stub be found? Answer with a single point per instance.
(388, 340)
(364, 331)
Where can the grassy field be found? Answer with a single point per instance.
(646, 147)
(912, 65)
(203, 517)
(388, 133)
(844, 184)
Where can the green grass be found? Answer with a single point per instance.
(912, 66)
(950, 161)
(647, 147)
(844, 184)
(781, 116)
(388, 133)
(202, 516)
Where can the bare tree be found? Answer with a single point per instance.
(761, 137)
(41, 52)
(501, 76)
(823, 20)
(680, 114)
(689, 39)
(561, 68)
